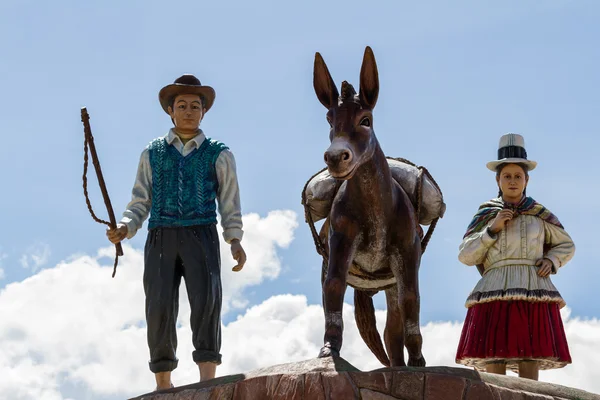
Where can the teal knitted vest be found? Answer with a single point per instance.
(184, 189)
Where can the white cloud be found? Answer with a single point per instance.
(262, 237)
(35, 257)
(3, 256)
(285, 329)
(73, 332)
(74, 328)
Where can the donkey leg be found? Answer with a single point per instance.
(334, 289)
(411, 306)
(394, 328)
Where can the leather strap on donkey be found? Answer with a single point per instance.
(422, 170)
(364, 311)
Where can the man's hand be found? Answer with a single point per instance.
(544, 267)
(239, 255)
(117, 234)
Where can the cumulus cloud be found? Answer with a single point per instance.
(73, 332)
(285, 328)
(3, 256)
(262, 237)
(584, 342)
(74, 329)
(35, 257)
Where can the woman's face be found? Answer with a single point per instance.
(512, 181)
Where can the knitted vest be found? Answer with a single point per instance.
(184, 189)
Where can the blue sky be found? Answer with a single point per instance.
(453, 79)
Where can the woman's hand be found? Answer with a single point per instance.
(500, 220)
(544, 267)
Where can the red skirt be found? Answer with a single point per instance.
(513, 331)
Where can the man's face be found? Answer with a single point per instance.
(187, 111)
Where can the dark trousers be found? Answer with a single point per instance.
(191, 253)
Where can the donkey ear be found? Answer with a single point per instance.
(324, 84)
(369, 80)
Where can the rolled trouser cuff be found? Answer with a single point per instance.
(163, 366)
(202, 356)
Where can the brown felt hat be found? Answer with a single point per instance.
(186, 84)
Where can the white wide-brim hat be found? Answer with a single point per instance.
(511, 150)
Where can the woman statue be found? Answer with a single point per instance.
(513, 319)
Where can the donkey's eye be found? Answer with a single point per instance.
(365, 121)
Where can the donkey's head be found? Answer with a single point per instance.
(350, 116)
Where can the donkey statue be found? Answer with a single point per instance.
(371, 238)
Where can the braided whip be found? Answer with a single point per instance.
(88, 142)
(422, 170)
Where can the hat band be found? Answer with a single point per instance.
(512, 152)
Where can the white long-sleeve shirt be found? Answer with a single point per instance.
(228, 194)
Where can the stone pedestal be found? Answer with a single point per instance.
(336, 379)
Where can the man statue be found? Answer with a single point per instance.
(181, 177)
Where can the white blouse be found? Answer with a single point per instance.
(509, 259)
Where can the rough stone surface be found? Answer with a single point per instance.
(408, 385)
(313, 386)
(478, 391)
(507, 394)
(336, 379)
(375, 381)
(441, 387)
(258, 388)
(366, 394)
(202, 394)
(538, 397)
(222, 392)
(191, 394)
(291, 387)
(339, 386)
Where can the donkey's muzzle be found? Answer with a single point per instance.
(339, 161)
(337, 158)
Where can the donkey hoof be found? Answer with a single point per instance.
(416, 362)
(328, 351)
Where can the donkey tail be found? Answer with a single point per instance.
(364, 313)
